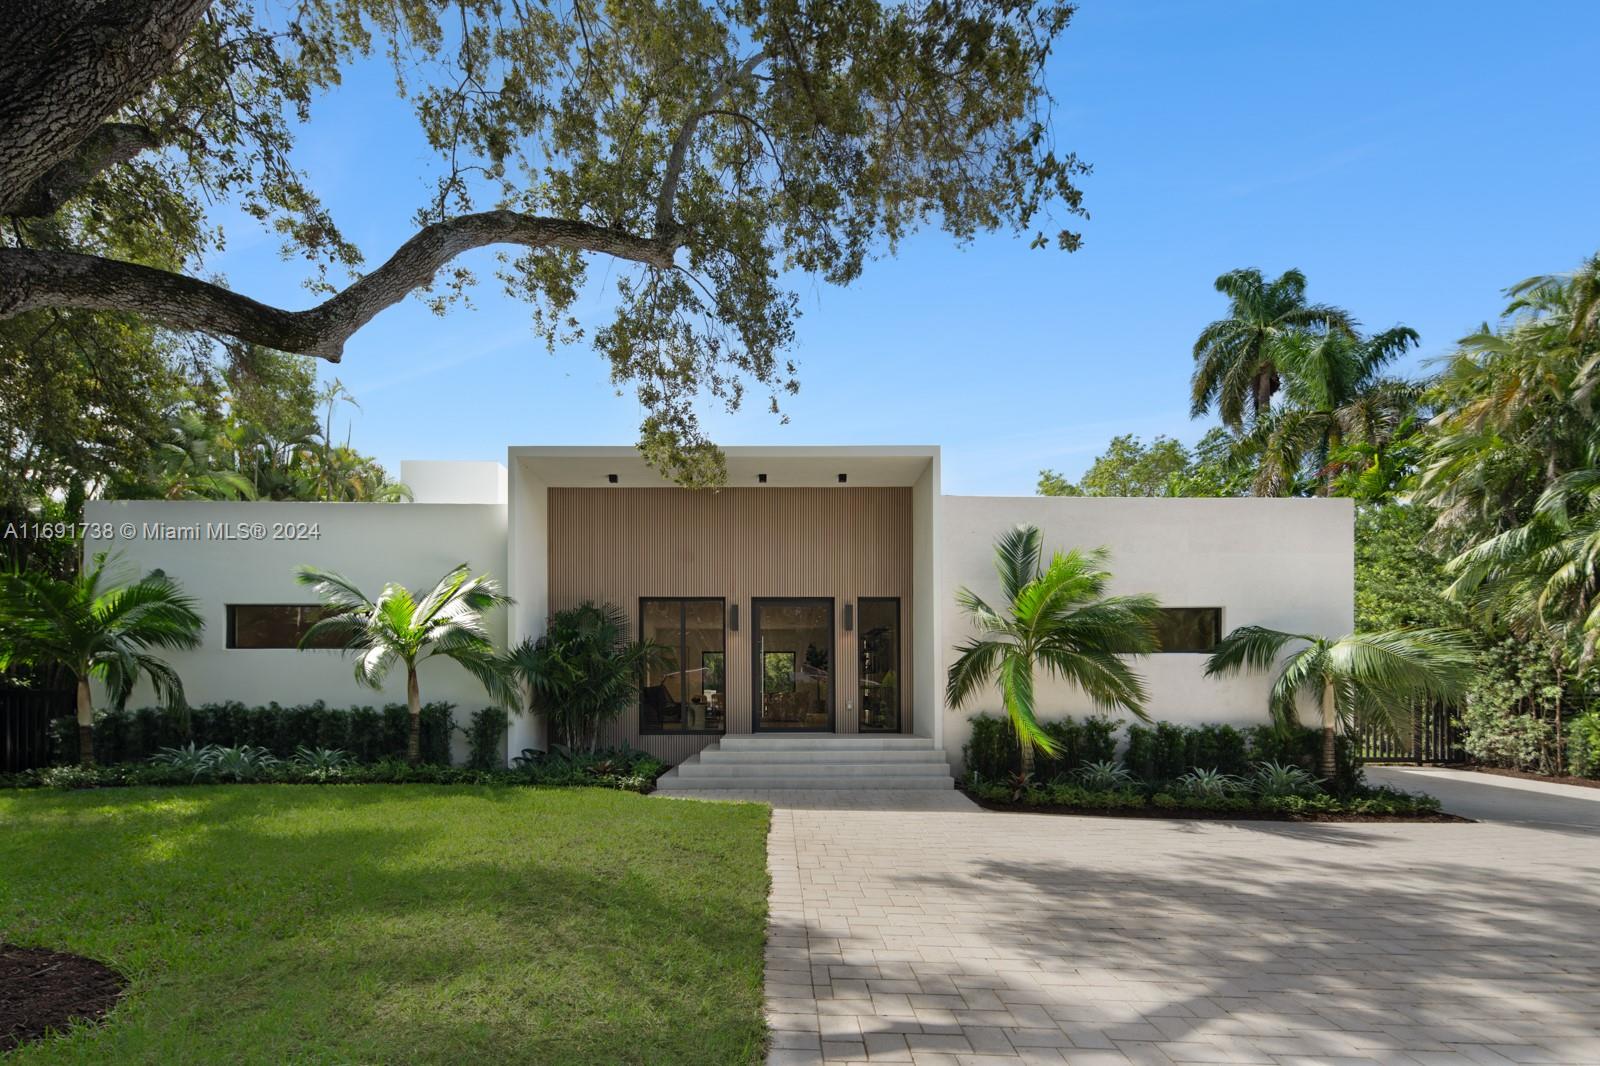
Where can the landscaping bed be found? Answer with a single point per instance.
(1528, 775)
(267, 924)
(1393, 807)
(44, 992)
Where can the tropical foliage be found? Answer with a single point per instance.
(402, 629)
(1057, 618)
(584, 672)
(1356, 681)
(1478, 486)
(91, 627)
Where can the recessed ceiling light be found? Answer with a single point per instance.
(761, 478)
(842, 478)
(611, 478)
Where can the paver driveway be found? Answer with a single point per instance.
(973, 937)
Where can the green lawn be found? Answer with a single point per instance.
(374, 923)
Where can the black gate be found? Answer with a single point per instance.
(1434, 738)
(25, 715)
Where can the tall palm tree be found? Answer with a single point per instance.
(1335, 395)
(90, 627)
(1057, 617)
(1354, 681)
(1237, 358)
(399, 629)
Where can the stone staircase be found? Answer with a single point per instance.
(812, 761)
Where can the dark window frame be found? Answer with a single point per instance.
(1217, 630)
(301, 624)
(899, 663)
(681, 652)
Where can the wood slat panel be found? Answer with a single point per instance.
(620, 544)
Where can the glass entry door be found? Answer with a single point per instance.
(793, 668)
(878, 620)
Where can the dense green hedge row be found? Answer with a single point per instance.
(367, 733)
(1156, 754)
(1362, 802)
(626, 769)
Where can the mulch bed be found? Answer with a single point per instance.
(1208, 816)
(1527, 775)
(43, 991)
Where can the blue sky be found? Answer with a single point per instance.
(1412, 158)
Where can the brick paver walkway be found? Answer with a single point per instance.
(972, 938)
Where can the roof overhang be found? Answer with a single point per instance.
(864, 466)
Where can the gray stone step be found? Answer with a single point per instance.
(825, 742)
(672, 782)
(825, 755)
(772, 770)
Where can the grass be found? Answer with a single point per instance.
(397, 923)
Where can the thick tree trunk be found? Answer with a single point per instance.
(414, 705)
(85, 724)
(32, 279)
(66, 66)
(1330, 721)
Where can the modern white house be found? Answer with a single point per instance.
(810, 604)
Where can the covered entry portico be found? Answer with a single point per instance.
(794, 602)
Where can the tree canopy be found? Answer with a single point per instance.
(707, 150)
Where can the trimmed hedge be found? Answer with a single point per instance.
(1366, 802)
(369, 734)
(1156, 754)
(625, 769)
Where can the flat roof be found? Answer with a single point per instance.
(794, 466)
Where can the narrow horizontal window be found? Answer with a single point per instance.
(1189, 629)
(275, 625)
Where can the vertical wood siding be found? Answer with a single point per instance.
(620, 544)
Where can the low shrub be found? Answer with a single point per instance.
(1158, 754)
(1364, 802)
(632, 771)
(366, 733)
(1583, 745)
(1274, 780)
(486, 738)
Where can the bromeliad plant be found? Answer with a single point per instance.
(90, 627)
(1356, 681)
(1058, 618)
(584, 671)
(399, 629)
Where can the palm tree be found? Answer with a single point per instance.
(1335, 395)
(584, 671)
(399, 628)
(1237, 357)
(1357, 680)
(1057, 617)
(90, 627)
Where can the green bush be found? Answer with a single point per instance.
(367, 734)
(1583, 745)
(1074, 796)
(1158, 754)
(485, 738)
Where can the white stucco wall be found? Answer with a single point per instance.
(1288, 564)
(371, 544)
(452, 481)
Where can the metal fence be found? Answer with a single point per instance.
(1435, 738)
(25, 715)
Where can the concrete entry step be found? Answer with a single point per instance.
(815, 762)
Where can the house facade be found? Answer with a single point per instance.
(811, 599)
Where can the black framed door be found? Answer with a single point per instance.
(793, 651)
(879, 673)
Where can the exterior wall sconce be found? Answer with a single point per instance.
(849, 612)
(733, 616)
